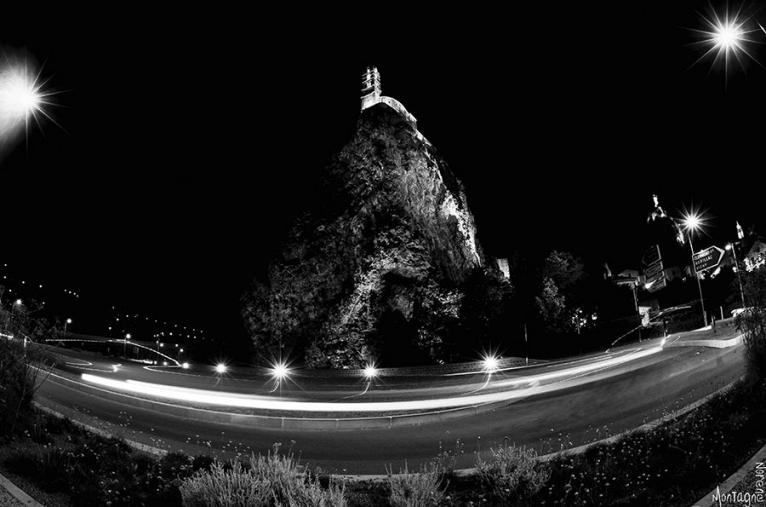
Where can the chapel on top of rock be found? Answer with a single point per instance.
(372, 94)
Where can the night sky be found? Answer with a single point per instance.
(189, 140)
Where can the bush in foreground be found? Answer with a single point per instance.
(423, 489)
(752, 322)
(511, 473)
(274, 479)
(22, 367)
(17, 385)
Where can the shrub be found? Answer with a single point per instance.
(220, 487)
(422, 489)
(753, 326)
(511, 473)
(274, 479)
(752, 322)
(16, 385)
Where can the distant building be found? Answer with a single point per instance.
(756, 256)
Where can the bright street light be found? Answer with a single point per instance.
(728, 35)
(220, 368)
(725, 35)
(491, 363)
(692, 222)
(280, 371)
(185, 366)
(370, 372)
(20, 95)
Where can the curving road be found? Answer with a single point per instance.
(346, 425)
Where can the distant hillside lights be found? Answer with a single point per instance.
(145, 328)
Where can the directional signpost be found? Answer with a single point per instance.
(708, 258)
(652, 255)
(654, 271)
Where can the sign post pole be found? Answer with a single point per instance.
(697, 276)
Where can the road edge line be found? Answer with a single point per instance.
(18, 493)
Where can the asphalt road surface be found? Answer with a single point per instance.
(549, 406)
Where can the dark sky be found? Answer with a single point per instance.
(189, 139)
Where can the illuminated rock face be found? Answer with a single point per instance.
(379, 262)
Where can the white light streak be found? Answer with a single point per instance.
(220, 398)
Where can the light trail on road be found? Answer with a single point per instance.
(557, 405)
(248, 401)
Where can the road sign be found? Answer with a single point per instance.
(651, 255)
(653, 271)
(655, 277)
(707, 258)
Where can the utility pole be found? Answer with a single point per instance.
(697, 276)
(733, 248)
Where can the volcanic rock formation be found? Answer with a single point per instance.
(376, 269)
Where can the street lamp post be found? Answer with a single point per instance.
(733, 248)
(66, 323)
(691, 224)
(10, 314)
(125, 346)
